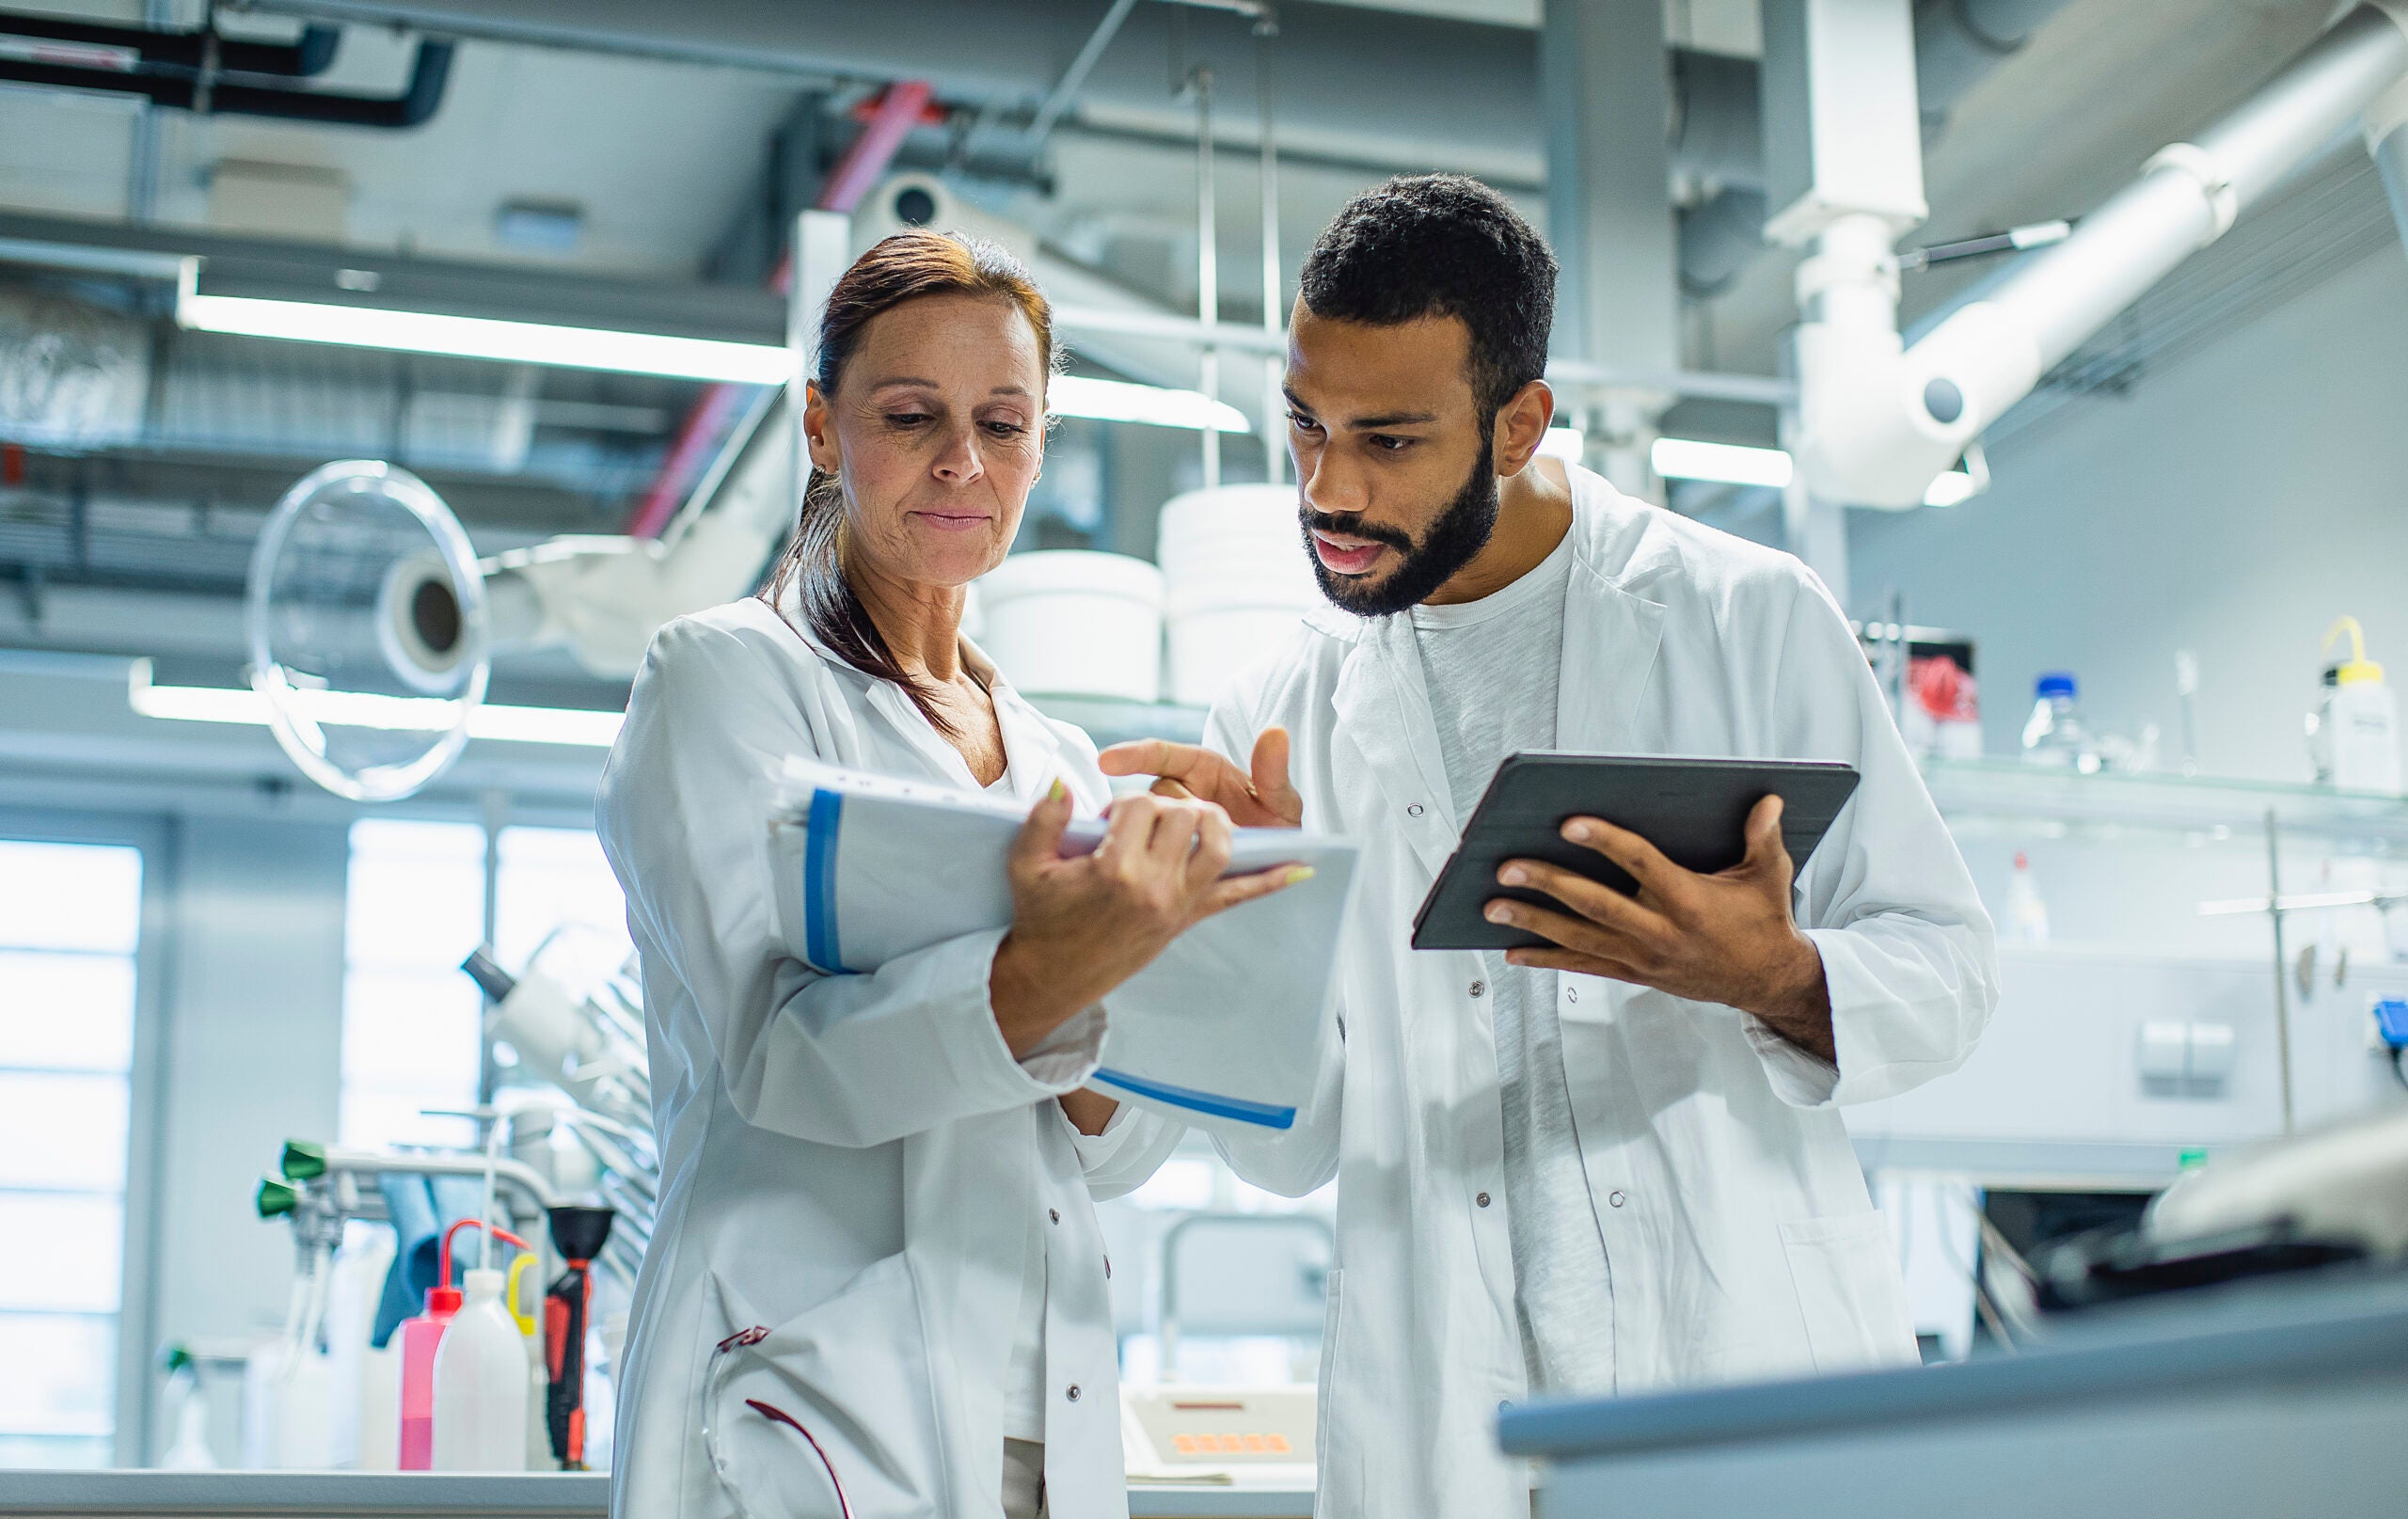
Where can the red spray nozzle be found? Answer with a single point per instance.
(445, 1295)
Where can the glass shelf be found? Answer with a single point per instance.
(1977, 795)
(2110, 803)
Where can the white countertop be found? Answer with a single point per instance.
(162, 1495)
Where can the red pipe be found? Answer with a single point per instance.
(892, 115)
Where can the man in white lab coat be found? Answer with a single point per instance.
(1619, 1163)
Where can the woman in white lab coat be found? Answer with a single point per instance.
(876, 1265)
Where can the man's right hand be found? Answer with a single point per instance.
(1261, 799)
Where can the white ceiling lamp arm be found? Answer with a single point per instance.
(605, 597)
(1878, 423)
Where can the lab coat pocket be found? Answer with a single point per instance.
(837, 1395)
(1340, 1464)
(1850, 1292)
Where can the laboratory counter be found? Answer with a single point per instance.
(2240, 1402)
(162, 1494)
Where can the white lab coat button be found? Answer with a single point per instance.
(1481, 1199)
(1480, 988)
(1073, 1393)
(1054, 1213)
(1572, 995)
(1614, 1199)
(1413, 809)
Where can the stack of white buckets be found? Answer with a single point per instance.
(1233, 582)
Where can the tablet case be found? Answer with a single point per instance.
(1693, 810)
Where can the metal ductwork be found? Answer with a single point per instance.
(1957, 42)
(2386, 135)
(1351, 81)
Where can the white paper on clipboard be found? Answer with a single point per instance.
(1220, 1030)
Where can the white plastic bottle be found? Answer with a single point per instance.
(2027, 913)
(2360, 725)
(2055, 734)
(186, 1409)
(480, 1385)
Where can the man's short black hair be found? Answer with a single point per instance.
(1442, 244)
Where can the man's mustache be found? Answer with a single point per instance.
(1348, 525)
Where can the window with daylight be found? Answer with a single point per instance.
(411, 1037)
(70, 916)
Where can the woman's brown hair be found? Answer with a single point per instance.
(905, 267)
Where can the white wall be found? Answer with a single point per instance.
(2232, 504)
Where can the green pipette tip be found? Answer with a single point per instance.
(303, 1161)
(277, 1198)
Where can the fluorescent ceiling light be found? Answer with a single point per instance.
(476, 336)
(632, 353)
(1682, 458)
(1118, 401)
(1564, 443)
(356, 709)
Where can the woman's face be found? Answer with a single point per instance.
(935, 433)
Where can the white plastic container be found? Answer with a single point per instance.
(480, 1385)
(2365, 731)
(1236, 582)
(358, 1287)
(2355, 736)
(1072, 623)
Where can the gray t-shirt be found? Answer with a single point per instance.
(1493, 668)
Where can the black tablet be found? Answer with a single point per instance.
(1694, 810)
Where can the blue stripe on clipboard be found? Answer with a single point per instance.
(1206, 1103)
(819, 882)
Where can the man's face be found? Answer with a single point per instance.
(1393, 460)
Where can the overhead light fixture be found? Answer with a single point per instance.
(1119, 401)
(476, 336)
(1733, 463)
(570, 726)
(631, 352)
(1564, 443)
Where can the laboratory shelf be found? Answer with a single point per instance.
(2111, 804)
(1978, 794)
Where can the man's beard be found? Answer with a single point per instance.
(1458, 535)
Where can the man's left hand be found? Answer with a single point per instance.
(1727, 938)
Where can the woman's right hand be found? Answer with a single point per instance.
(1082, 926)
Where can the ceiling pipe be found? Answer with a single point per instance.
(212, 94)
(200, 49)
(1355, 83)
(892, 116)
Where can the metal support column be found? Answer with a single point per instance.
(822, 247)
(1605, 96)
